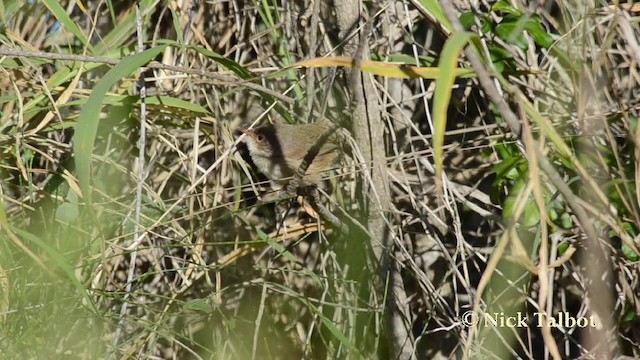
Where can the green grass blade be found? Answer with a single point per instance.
(66, 22)
(59, 260)
(3, 216)
(87, 127)
(433, 7)
(442, 95)
(114, 41)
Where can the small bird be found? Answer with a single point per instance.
(278, 150)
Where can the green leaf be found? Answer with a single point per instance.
(628, 227)
(565, 221)
(17, 63)
(538, 33)
(266, 15)
(503, 168)
(509, 204)
(508, 207)
(198, 305)
(434, 8)
(285, 253)
(501, 58)
(68, 211)
(629, 253)
(562, 248)
(629, 314)
(531, 216)
(3, 17)
(87, 127)
(122, 31)
(568, 163)
(276, 246)
(511, 32)
(426, 61)
(177, 26)
(335, 331)
(61, 15)
(633, 124)
(505, 7)
(237, 69)
(3, 216)
(468, 21)
(442, 95)
(174, 103)
(59, 260)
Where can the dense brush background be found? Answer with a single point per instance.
(192, 265)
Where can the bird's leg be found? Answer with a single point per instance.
(312, 195)
(283, 206)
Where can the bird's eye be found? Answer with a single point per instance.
(260, 138)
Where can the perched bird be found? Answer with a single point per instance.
(278, 150)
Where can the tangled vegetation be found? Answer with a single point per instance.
(485, 204)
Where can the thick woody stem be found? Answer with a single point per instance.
(368, 129)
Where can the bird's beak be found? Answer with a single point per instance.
(247, 132)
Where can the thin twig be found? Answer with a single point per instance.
(313, 196)
(313, 48)
(141, 165)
